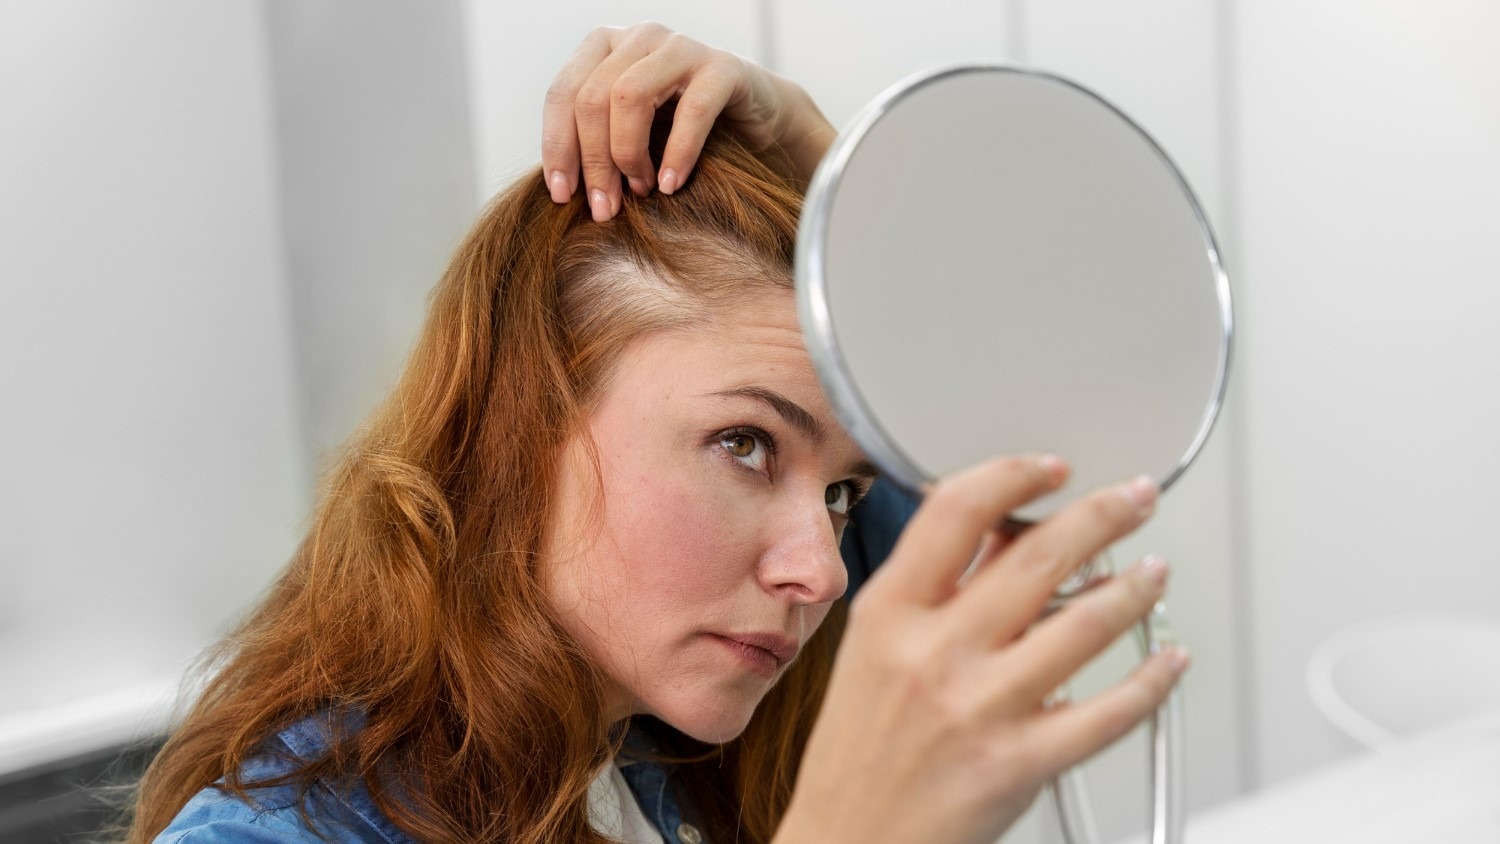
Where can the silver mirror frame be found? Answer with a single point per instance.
(812, 284)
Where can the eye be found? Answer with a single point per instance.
(751, 448)
(839, 497)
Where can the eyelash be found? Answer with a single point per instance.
(858, 488)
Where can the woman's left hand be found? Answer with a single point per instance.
(601, 106)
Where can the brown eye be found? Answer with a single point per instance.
(740, 445)
(749, 447)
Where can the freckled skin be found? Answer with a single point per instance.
(691, 541)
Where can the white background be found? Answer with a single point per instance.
(218, 223)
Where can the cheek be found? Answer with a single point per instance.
(679, 537)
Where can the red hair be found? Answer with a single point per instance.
(416, 600)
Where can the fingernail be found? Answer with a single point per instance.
(558, 184)
(1154, 567)
(1177, 659)
(1142, 493)
(599, 204)
(638, 187)
(1053, 466)
(668, 180)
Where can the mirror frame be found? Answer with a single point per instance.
(812, 285)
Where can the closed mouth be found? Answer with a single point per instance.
(781, 648)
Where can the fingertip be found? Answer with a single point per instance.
(1176, 659)
(672, 178)
(557, 184)
(600, 205)
(1141, 492)
(1055, 468)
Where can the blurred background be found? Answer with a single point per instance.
(219, 221)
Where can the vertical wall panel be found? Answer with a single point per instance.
(1368, 133)
(153, 473)
(377, 186)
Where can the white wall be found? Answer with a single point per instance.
(376, 187)
(221, 223)
(153, 472)
(1367, 134)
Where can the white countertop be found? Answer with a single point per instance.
(1442, 788)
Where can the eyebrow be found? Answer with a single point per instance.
(796, 416)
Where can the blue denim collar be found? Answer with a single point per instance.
(649, 779)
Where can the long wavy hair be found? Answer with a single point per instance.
(416, 598)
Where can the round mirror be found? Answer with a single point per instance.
(997, 261)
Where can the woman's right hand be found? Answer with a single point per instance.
(934, 728)
(597, 120)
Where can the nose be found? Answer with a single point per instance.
(802, 563)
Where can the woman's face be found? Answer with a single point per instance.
(713, 554)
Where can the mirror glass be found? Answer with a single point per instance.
(996, 261)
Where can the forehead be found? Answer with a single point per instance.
(757, 343)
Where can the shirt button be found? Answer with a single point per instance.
(689, 834)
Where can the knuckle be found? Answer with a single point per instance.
(679, 43)
(630, 92)
(1045, 552)
(695, 107)
(555, 146)
(911, 657)
(1116, 722)
(562, 92)
(629, 159)
(1108, 507)
(1094, 623)
(1012, 692)
(960, 501)
(650, 27)
(721, 66)
(592, 100)
(596, 170)
(1006, 764)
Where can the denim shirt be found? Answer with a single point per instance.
(346, 814)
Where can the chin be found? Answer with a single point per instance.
(711, 722)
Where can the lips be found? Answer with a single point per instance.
(783, 648)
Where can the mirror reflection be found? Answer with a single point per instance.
(1065, 296)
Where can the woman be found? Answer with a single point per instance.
(579, 578)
